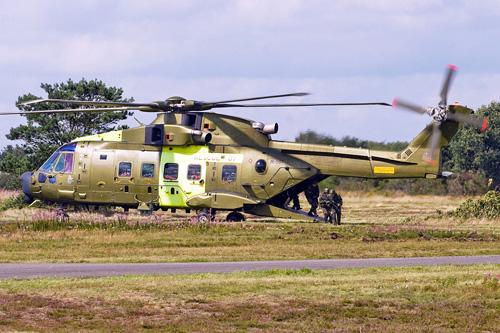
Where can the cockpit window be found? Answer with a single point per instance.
(68, 147)
(63, 157)
(49, 165)
(65, 163)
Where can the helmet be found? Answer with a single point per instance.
(326, 190)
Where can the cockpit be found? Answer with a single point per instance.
(61, 160)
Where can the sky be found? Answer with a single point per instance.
(338, 51)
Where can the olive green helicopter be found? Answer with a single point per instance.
(193, 159)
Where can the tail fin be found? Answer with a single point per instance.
(417, 148)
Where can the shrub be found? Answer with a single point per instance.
(487, 207)
(16, 201)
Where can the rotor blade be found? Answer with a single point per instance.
(73, 110)
(431, 152)
(459, 117)
(257, 98)
(407, 105)
(449, 76)
(219, 105)
(102, 103)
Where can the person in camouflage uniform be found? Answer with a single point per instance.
(326, 204)
(312, 194)
(336, 205)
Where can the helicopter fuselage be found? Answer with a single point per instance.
(207, 160)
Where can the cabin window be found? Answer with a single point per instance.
(49, 165)
(125, 169)
(194, 171)
(65, 163)
(229, 173)
(171, 171)
(148, 170)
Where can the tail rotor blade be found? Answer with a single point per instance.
(446, 85)
(463, 118)
(430, 155)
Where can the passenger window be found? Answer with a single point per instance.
(148, 170)
(194, 171)
(125, 169)
(229, 173)
(171, 171)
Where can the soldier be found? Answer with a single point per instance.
(326, 204)
(337, 205)
(294, 197)
(312, 194)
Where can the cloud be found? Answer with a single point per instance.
(340, 51)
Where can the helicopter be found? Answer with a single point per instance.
(191, 158)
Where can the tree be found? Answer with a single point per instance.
(44, 133)
(473, 151)
(14, 160)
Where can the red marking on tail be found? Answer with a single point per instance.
(455, 68)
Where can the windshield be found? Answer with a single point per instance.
(49, 165)
(65, 164)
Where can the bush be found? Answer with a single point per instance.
(9, 181)
(487, 207)
(16, 202)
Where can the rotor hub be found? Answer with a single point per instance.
(439, 114)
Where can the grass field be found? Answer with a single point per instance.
(443, 298)
(373, 227)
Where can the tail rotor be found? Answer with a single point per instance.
(440, 114)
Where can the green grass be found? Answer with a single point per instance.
(443, 298)
(374, 227)
(250, 241)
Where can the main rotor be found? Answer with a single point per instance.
(175, 104)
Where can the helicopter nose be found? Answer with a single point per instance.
(25, 182)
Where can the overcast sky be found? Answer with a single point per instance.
(339, 51)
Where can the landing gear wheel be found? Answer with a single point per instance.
(235, 217)
(61, 213)
(203, 217)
